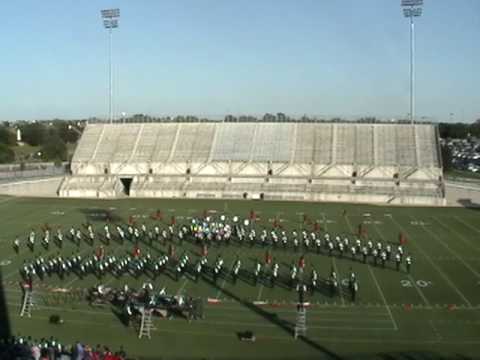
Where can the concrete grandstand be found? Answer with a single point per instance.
(306, 161)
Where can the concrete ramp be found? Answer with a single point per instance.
(35, 187)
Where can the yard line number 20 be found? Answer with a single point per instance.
(419, 283)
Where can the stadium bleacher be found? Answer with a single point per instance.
(381, 163)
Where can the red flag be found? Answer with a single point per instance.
(268, 257)
(301, 262)
(362, 230)
(136, 251)
(100, 252)
(171, 250)
(204, 250)
(306, 220)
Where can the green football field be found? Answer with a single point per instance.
(431, 313)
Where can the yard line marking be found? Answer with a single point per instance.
(322, 310)
(460, 236)
(86, 322)
(63, 308)
(224, 281)
(395, 326)
(38, 245)
(334, 320)
(231, 268)
(24, 237)
(262, 324)
(249, 323)
(349, 224)
(71, 281)
(15, 255)
(260, 290)
(435, 331)
(115, 279)
(112, 278)
(323, 320)
(419, 291)
(429, 259)
(334, 263)
(179, 291)
(317, 319)
(5, 241)
(283, 338)
(454, 253)
(324, 221)
(229, 309)
(44, 255)
(340, 282)
(2, 201)
(336, 339)
(325, 309)
(89, 322)
(466, 224)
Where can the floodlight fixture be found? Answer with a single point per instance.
(415, 11)
(110, 13)
(412, 3)
(110, 21)
(110, 24)
(411, 10)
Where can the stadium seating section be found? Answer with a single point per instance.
(311, 161)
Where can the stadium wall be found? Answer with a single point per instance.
(375, 163)
(48, 187)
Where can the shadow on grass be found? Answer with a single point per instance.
(120, 316)
(285, 325)
(5, 330)
(468, 203)
(100, 215)
(411, 355)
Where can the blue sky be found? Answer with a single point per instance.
(211, 57)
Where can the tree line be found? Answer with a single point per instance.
(459, 130)
(49, 137)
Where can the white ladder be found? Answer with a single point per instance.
(301, 324)
(146, 324)
(27, 303)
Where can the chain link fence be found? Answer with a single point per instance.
(13, 172)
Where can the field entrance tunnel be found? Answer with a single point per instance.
(126, 182)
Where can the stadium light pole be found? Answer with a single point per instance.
(411, 9)
(110, 22)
